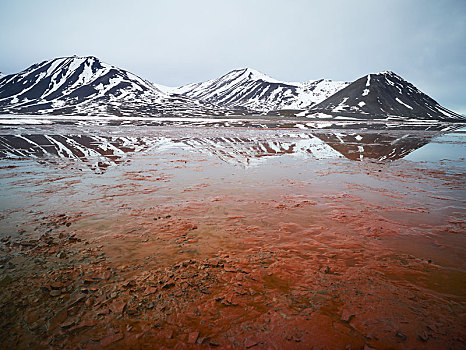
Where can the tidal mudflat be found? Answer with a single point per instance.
(232, 237)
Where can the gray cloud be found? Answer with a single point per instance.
(178, 42)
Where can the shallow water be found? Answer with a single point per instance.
(356, 235)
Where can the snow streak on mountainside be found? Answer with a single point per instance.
(381, 95)
(250, 89)
(86, 85)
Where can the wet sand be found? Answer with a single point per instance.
(204, 238)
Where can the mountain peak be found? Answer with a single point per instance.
(67, 82)
(90, 60)
(389, 73)
(247, 88)
(383, 94)
(87, 58)
(255, 75)
(386, 72)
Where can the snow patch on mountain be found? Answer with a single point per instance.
(404, 104)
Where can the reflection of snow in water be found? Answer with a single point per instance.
(101, 147)
(250, 151)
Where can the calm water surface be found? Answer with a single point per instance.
(374, 220)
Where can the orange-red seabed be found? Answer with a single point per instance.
(178, 250)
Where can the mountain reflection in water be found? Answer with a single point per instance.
(237, 146)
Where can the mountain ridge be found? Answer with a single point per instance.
(85, 85)
(251, 89)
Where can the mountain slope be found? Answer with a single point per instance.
(250, 89)
(88, 86)
(381, 95)
(71, 81)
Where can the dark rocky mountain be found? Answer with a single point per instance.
(71, 81)
(249, 89)
(384, 95)
(88, 86)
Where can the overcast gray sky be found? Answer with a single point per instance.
(182, 41)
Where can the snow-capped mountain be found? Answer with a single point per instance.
(88, 86)
(70, 81)
(250, 89)
(381, 95)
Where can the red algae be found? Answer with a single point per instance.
(178, 250)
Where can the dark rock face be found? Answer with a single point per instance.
(383, 95)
